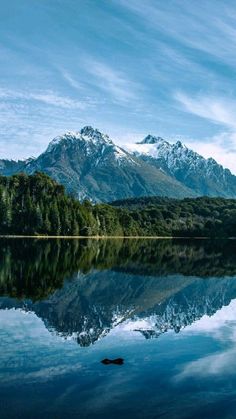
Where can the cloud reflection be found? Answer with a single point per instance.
(221, 327)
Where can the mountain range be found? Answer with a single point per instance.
(89, 306)
(84, 290)
(91, 166)
(203, 176)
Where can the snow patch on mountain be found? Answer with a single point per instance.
(205, 176)
(92, 134)
(151, 139)
(149, 149)
(162, 149)
(69, 136)
(93, 142)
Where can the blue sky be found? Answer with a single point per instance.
(127, 67)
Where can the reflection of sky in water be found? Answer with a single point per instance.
(122, 295)
(25, 341)
(221, 327)
(177, 375)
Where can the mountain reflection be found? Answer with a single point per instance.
(85, 288)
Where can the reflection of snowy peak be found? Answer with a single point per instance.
(86, 289)
(203, 297)
(91, 305)
(204, 176)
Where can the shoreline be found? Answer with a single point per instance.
(18, 236)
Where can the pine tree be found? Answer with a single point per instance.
(55, 220)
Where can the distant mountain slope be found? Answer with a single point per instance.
(84, 289)
(91, 305)
(91, 166)
(204, 176)
(8, 167)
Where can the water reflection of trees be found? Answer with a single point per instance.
(35, 268)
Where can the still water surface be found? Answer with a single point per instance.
(167, 308)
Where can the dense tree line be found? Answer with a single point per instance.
(189, 217)
(36, 268)
(36, 204)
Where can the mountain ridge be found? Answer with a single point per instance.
(91, 166)
(204, 176)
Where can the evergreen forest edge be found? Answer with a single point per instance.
(37, 205)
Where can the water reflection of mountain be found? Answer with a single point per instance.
(85, 289)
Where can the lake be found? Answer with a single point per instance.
(167, 308)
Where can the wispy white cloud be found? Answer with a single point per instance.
(112, 81)
(48, 97)
(219, 110)
(51, 98)
(221, 147)
(220, 326)
(222, 363)
(31, 334)
(29, 119)
(23, 136)
(128, 137)
(190, 24)
(139, 56)
(72, 81)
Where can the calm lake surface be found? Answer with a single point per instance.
(168, 308)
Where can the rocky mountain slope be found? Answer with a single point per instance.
(9, 167)
(91, 166)
(90, 306)
(84, 291)
(204, 176)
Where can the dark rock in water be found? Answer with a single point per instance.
(117, 361)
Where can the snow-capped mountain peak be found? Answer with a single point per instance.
(91, 165)
(178, 144)
(151, 139)
(69, 136)
(93, 134)
(87, 134)
(89, 145)
(205, 176)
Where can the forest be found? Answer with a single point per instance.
(37, 205)
(35, 269)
